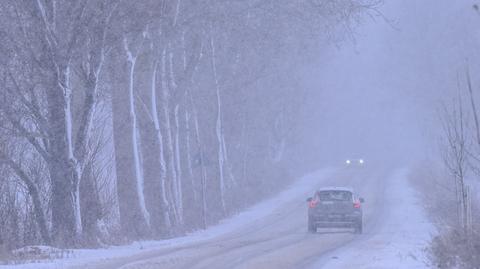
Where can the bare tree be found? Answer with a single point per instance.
(455, 126)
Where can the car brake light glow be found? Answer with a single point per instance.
(313, 204)
(356, 204)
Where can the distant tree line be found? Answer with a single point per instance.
(125, 120)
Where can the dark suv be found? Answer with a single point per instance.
(335, 207)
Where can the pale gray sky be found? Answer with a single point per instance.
(379, 94)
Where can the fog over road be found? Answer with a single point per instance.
(278, 240)
(379, 94)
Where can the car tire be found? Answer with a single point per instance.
(312, 228)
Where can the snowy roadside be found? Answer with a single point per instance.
(401, 239)
(297, 189)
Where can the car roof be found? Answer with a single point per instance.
(336, 189)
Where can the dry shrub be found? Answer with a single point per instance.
(454, 249)
(451, 247)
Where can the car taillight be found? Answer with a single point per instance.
(356, 204)
(312, 204)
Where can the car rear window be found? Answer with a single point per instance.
(334, 196)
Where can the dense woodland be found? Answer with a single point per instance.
(126, 120)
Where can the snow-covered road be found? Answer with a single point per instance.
(273, 233)
(399, 240)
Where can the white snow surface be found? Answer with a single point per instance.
(82, 256)
(401, 240)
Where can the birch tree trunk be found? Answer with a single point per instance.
(173, 184)
(158, 203)
(133, 216)
(63, 167)
(219, 128)
(176, 140)
(201, 161)
(178, 166)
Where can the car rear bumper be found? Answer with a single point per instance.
(344, 221)
(336, 224)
